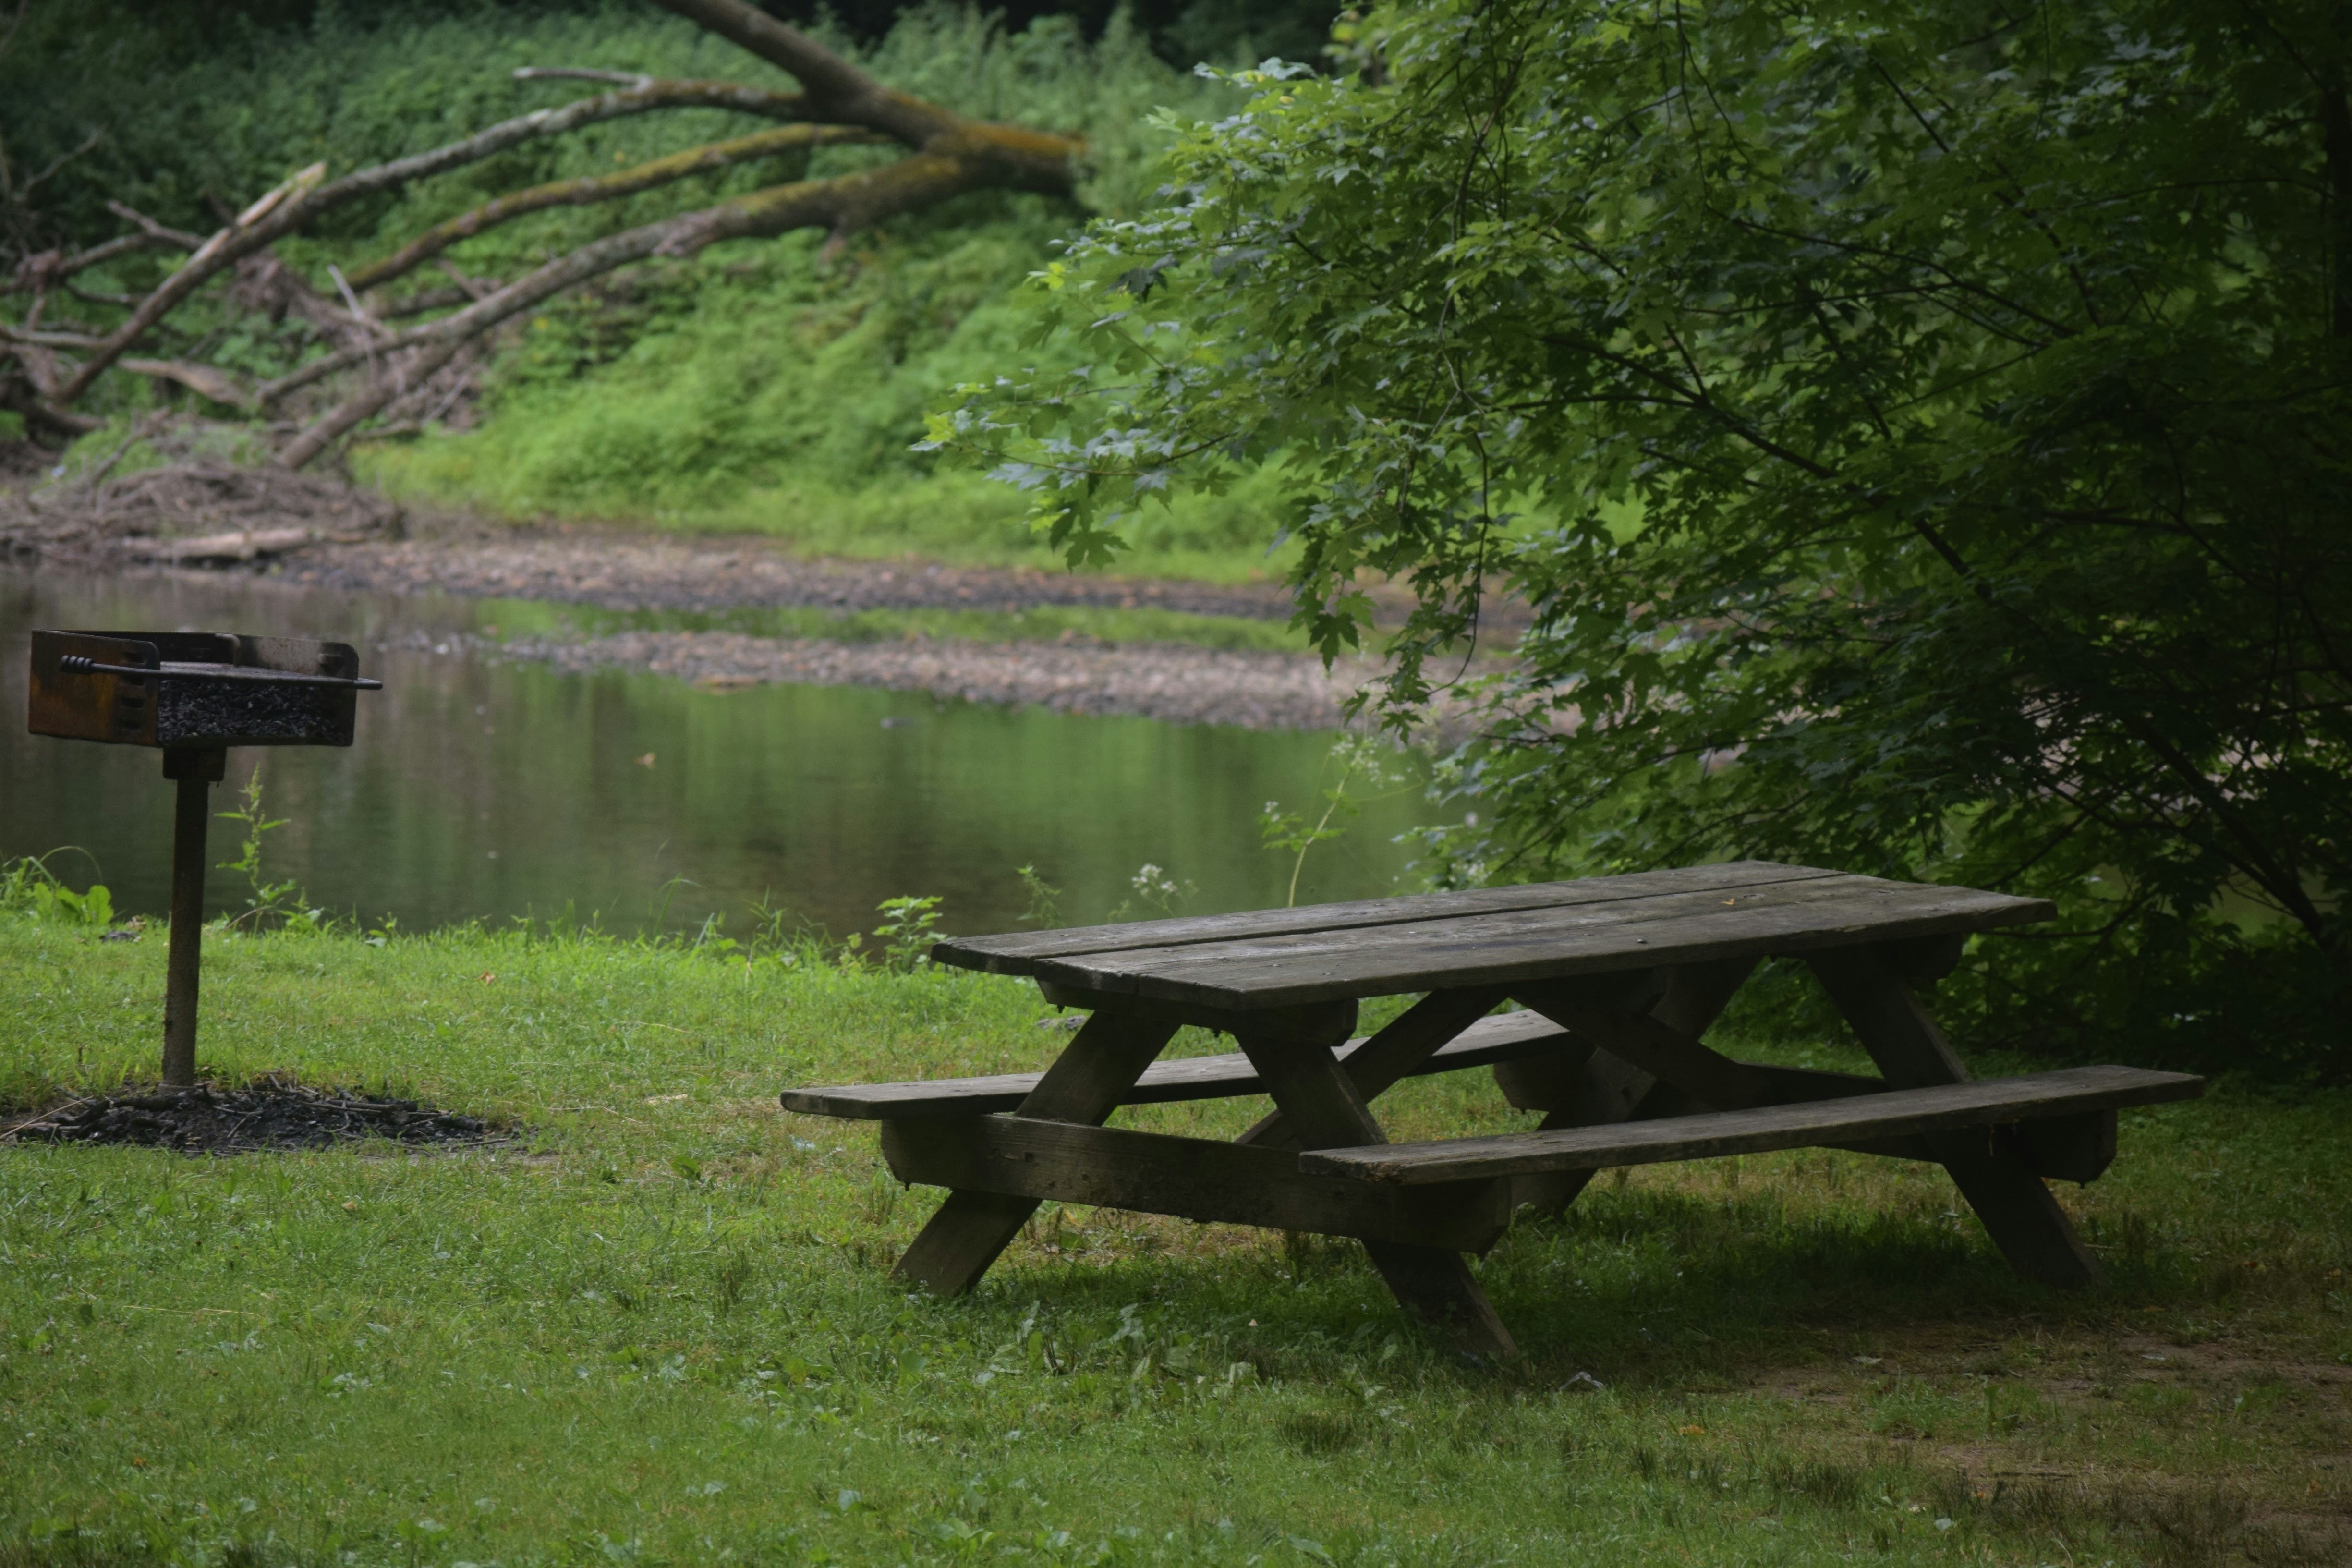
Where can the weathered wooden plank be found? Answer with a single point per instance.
(1196, 1178)
(1313, 1093)
(1608, 1088)
(1679, 929)
(2073, 1148)
(2018, 1212)
(1086, 1084)
(1896, 1114)
(1013, 953)
(1539, 945)
(1503, 1037)
(2068, 1148)
(1656, 1047)
(1887, 1019)
(1320, 1103)
(1403, 1048)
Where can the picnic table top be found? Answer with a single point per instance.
(1544, 930)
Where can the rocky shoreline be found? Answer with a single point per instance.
(153, 520)
(621, 571)
(1169, 681)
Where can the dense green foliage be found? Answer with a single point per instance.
(763, 386)
(1918, 429)
(659, 1329)
(185, 104)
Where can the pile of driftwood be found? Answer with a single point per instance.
(368, 362)
(197, 508)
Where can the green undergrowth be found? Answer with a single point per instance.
(960, 519)
(773, 386)
(657, 1325)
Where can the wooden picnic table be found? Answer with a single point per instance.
(1618, 978)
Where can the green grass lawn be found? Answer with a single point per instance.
(660, 1328)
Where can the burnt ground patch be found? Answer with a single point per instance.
(266, 1114)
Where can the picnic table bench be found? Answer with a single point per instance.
(1618, 978)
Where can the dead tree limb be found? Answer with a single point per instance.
(428, 299)
(282, 217)
(838, 91)
(216, 385)
(840, 205)
(23, 402)
(947, 155)
(584, 192)
(150, 228)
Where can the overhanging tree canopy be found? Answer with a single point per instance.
(1919, 429)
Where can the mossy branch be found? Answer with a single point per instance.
(298, 202)
(840, 205)
(587, 190)
(949, 154)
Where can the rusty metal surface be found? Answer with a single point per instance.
(192, 694)
(209, 690)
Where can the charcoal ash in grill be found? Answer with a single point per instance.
(252, 710)
(264, 1115)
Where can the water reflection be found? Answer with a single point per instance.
(489, 790)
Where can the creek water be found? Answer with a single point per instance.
(478, 788)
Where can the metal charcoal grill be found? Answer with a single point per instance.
(192, 695)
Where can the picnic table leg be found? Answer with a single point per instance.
(1607, 1089)
(2018, 1209)
(1321, 1109)
(1392, 1054)
(1086, 1084)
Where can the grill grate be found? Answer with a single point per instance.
(192, 695)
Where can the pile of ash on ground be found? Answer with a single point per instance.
(270, 1113)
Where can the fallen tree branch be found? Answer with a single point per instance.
(425, 299)
(839, 93)
(243, 545)
(202, 379)
(9, 334)
(48, 268)
(94, 297)
(580, 73)
(842, 203)
(286, 216)
(150, 228)
(592, 189)
(949, 154)
(22, 401)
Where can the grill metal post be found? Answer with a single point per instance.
(194, 773)
(192, 695)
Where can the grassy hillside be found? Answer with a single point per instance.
(764, 385)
